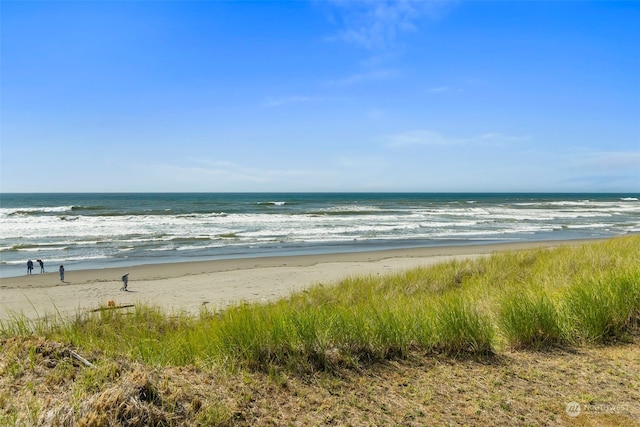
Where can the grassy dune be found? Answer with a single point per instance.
(459, 336)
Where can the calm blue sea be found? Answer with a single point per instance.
(108, 230)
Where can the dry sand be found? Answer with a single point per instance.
(190, 286)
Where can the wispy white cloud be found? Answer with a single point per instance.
(375, 24)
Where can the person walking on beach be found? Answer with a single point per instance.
(125, 282)
(29, 266)
(61, 270)
(41, 265)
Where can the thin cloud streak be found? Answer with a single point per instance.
(439, 89)
(428, 137)
(611, 161)
(502, 138)
(278, 102)
(376, 75)
(241, 172)
(417, 137)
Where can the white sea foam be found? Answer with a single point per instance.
(274, 203)
(132, 233)
(591, 226)
(28, 210)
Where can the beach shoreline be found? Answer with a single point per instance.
(215, 284)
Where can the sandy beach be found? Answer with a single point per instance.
(190, 286)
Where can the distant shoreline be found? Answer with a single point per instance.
(357, 250)
(190, 286)
(97, 231)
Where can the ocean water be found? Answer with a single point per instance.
(108, 230)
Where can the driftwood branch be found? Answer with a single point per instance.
(113, 307)
(80, 358)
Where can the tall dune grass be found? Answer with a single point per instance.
(530, 299)
(529, 319)
(604, 308)
(461, 327)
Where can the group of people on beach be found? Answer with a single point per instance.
(125, 278)
(41, 263)
(30, 266)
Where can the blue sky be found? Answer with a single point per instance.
(320, 96)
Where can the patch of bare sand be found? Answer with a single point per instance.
(190, 286)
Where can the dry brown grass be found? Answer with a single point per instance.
(40, 384)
